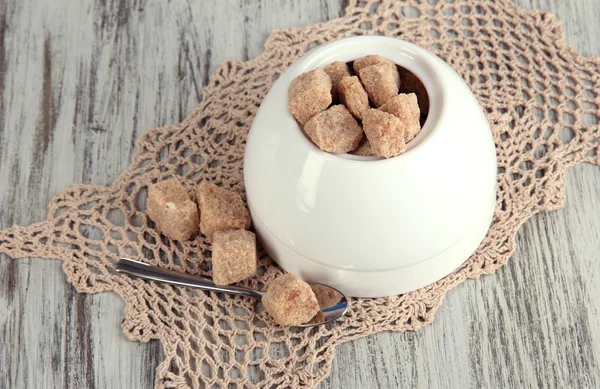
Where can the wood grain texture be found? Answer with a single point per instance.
(81, 80)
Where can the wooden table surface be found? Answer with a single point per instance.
(81, 80)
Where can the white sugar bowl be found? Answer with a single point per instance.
(367, 226)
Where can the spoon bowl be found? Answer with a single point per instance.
(331, 310)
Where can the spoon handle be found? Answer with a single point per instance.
(149, 272)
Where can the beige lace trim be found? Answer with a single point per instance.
(542, 102)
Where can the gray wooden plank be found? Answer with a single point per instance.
(79, 81)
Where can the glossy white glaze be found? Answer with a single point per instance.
(374, 227)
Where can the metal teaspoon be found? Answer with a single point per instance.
(146, 271)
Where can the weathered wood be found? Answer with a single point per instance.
(79, 81)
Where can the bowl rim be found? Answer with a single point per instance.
(409, 56)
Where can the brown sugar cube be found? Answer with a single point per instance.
(384, 132)
(405, 107)
(372, 60)
(411, 84)
(170, 207)
(327, 297)
(309, 94)
(290, 301)
(364, 149)
(379, 82)
(368, 60)
(353, 96)
(220, 209)
(233, 256)
(318, 318)
(334, 130)
(336, 71)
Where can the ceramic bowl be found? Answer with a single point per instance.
(367, 226)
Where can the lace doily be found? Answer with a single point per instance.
(542, 101)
